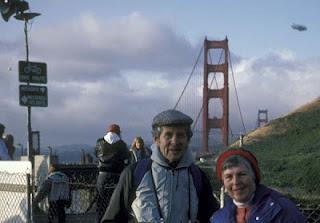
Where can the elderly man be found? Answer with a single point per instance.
(168, 187)
(247, 199)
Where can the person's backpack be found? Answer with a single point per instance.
(144, 165)
(60, 189)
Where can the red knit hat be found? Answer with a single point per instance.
(243, 153)
(114, 128)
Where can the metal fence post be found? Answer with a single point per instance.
(222, 197)
(241, 140)
(28, 198)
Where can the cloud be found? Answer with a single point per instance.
(100, 72)
(98, 47)
(278, 81)
(128, 69)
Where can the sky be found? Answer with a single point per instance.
(125, 61)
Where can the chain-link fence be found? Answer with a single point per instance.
(312, 212)
(83, 184)
(14, 197)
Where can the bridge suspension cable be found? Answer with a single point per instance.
(236, 93)
(189, 78)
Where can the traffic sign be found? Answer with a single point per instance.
(33, 72)
(32, 95)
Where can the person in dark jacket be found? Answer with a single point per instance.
(167, 191)
(9, 141)
(56, 187)
(113, 155)
(3, 148)
(137, 150)
(247, 199)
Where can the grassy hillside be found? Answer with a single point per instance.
(288, 150)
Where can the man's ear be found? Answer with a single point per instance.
(156, 140)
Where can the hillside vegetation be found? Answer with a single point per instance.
(288, 151)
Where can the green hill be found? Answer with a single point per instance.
(288, 150)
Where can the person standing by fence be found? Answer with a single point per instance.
(138, 150)
(113, 155)
(9, 141)
(56, 187)
(3, 148)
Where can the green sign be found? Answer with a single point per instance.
(33, 72)
(34, 96)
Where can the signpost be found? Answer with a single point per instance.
(32, 72)
(33, 95)
(36, 142)
(29, 73)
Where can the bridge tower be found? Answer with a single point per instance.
(209, 93)
(262, 117)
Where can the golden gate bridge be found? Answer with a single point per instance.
(205, 97)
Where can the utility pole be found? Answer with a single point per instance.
(7, 9)
(26, 17)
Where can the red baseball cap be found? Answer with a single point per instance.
(114, 128)
(243, 153)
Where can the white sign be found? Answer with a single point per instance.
(15, 166)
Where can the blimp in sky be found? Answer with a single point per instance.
(298, 27)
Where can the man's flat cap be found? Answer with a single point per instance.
(171, 117)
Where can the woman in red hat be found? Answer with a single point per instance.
(247, 200)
